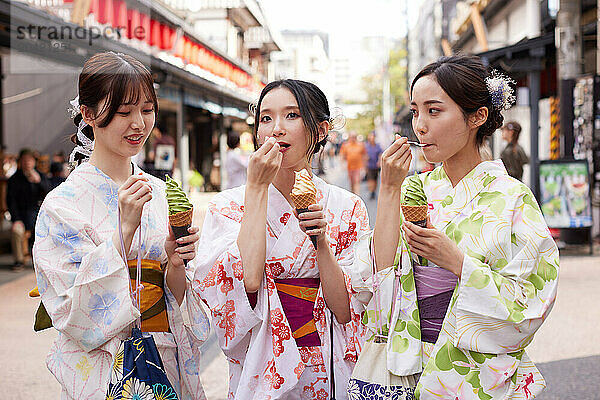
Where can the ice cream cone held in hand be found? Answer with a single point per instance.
(304, 194)
(414, 202)
(180, 209)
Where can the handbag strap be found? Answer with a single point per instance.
(378, 311)
(134, 293)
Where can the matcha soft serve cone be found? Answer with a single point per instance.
(414, 201)
(180, 209)
(304, 193)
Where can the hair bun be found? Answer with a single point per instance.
(494, 121)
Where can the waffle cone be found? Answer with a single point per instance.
(183, 218)
(414, 213)
(303, 200)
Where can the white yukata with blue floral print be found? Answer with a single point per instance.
(84, 285)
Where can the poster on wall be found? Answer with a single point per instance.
(565, 193)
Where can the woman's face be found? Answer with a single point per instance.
(507, 134)
(126, 134)
(280, 118)
(438, 121)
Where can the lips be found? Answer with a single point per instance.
(283, 147)
(134, 139)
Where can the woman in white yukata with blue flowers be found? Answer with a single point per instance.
(463, 320)
(81, 275)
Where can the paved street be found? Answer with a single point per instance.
(566, 348)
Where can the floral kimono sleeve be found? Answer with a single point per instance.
(501, 304)
(83, 283)
(353, 331)
(219, 276)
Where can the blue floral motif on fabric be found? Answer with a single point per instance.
(143, 376)
(42, 225)
(93, 338)
(104, 308)
(64, 235)
(110, 195)
(358, 390)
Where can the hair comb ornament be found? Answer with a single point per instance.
(74, 109)
(252, 108)
(337, 120)
(500, 89)
(87, 145)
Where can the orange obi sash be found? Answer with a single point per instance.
(297, 296)
(152, 301)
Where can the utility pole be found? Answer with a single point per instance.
(568, 54)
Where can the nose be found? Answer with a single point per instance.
(278, 128)
(137, 121)
(419, 125)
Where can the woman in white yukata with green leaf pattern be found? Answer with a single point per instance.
(485, 239)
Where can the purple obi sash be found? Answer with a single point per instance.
(297, 296)
(434, 292)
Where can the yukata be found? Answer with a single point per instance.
(265, 362)
(84, 286)
(506, 289)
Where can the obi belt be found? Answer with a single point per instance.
(297, 296)
(435, 287)
(153, 305)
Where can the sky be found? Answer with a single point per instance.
(343, 20)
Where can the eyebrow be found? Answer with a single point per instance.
(285, 108)
(428, 102)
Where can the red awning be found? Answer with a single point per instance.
(105, 12)
(133, 23)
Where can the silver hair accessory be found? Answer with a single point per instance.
(501, 91)
(87, 145)
(337, 120)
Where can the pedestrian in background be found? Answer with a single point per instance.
(281, 308)
(236, 162)
(480, 278)
(25, 192)
(373, 163)
(354, 153)
(85, 229)
(513, 156)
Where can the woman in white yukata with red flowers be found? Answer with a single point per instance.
(271, 294)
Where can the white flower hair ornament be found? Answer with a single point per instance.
(87, 145)
(501, 91)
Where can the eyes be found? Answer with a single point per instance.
(145, 111)
(290, 115)
(432, 111)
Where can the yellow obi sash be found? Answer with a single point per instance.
(152, 304)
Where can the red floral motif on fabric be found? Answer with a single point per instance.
(280, 331)
(226, 317)
(234, 211)
(311, 355)
(299, 369)
(218, 276)
(275, 269)
(284, 218)
(272, 378)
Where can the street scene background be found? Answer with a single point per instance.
(210, 59)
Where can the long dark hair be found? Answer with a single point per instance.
(116, 77)
(463, 78)
(313, 106)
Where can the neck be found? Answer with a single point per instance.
(284, 181)
(459, 165)
(117, 168)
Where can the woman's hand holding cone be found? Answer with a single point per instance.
(133, 195)
(312, 222)
(181, 249)
(264, 164)
(434, 245)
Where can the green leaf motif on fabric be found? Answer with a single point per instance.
(500, 263)
(513, 239)
(454, 233)
(529, 200)
(488, 179)
(476, 256)
(537, 281)
(472, 225)
(547, 271)
(414, 330)
(415, 316)
(400, 325)
(447, 201)
(532, 215)
(399, 344)
(449, 357)
(478, 279)
(516, 316)
(494, 200)
(437, 174)
(408, 282)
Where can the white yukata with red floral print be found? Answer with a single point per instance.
(84, 285)
(264, 361)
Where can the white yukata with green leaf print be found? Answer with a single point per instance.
(506, 290)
